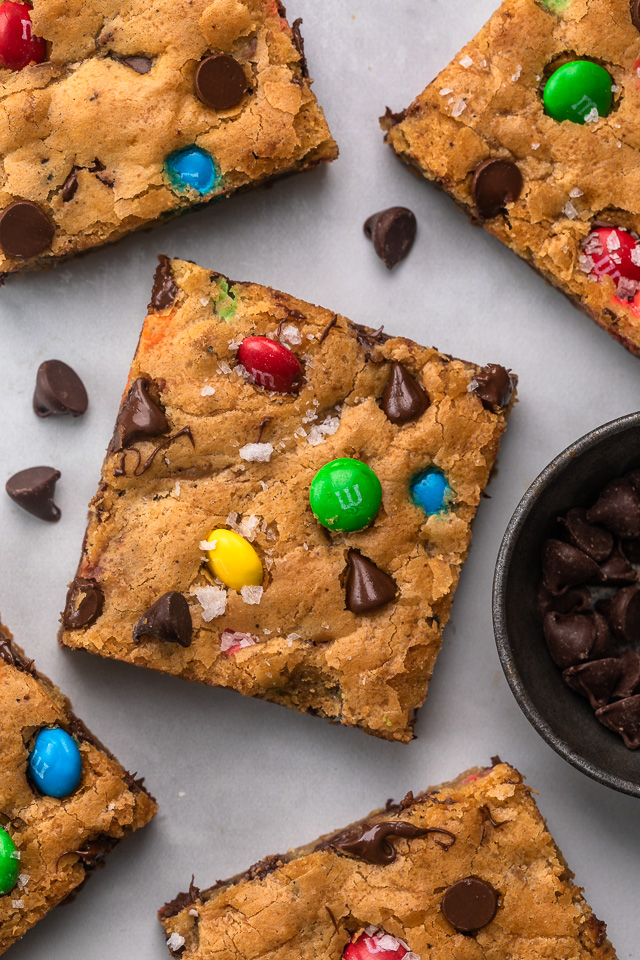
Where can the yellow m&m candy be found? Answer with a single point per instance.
(233, 560)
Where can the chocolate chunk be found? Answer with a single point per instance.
(618, 509)
(570, 637)
(403, 398)
(624, 718)
(84, 604)
(373, 844)
(299, 45)
(169, 619)
(494, 386)
(595, 680)
(596, 542)
(573, 601)
(470, 904)
(629, 682)
(70, 186)
(25, 230)
(33, 490)
(631, 550)
(617, 571)
(495, 183)
(635, 13)
(165, 289)
(139, 64)
(624, 614)
(367, 586)
(564, 566)
(220, 82)
(140, 417)
(59, 390)
(393, 232)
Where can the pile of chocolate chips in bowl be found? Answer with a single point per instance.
(590, 603)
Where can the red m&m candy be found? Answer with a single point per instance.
(18, 46)
(378, 944)
(615, 253)
(270, 364)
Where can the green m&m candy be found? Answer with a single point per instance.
(9, 863)
(345, 495)
(579, 91)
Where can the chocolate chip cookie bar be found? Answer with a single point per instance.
(286, 502)
(533, 130)
(116, 115)
(464, 870)
(65, 801)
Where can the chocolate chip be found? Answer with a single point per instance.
(393, 232)
(25, 230)
(595, 541)
(169, 619)
(618, 509)
(635, 13)
(33, 490)
(624, 614)
(496, 182)
(595, 680)
(403, 398)
(165, 289)
(59, 390)
(624, 718)
(84, 604)
(572, 601)
(570, 637)
(139, 64)
(367, 586)
(631, 550)
(140, 417)
(70, 186)
(220, 82)
(604, 645)
(564, 566)
(617, 570)
(494, 386)
(470, 904)
(629, 682)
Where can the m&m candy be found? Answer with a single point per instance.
(345, 495)
(375, 944)
(18, 46)
(430, 490)
(55, 763)
(9, 863)
(579, 91)
(615, 253)
(269, 364)
(192, 168)
(233, 560)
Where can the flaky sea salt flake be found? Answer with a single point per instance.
(466, 62)
(207, 391)
(256, 452)
(569, 210)
(320, 431)
(576, 192)
(613, 241)
(458, 108)
(251, 594)
(592, 116)
(223, 367)
(213, 601)
(516, 76)
(290, 334)
(445, 91)
(175, 941)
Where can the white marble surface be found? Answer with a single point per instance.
(238, 779)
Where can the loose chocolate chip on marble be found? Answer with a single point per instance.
(595, 680)
(564, 566)
(59, 390)
(570, 637)
(165, 289)
(367, 587)
(393, 232)
(618, 509)
(629, 682)
(33, 490)
(169, 619)
(617, 570)
(595, 541)
(403, 398)
(635, 13)
(84, 604)
(220, 82)
(70, 186)
(624, 718)
(25, 230)
(470, 904)
(494, 386)
(496, 182)
(373, 845)
(624, 614)
(140, 418)
(139, 64)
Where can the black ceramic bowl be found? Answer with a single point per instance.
(563, 718)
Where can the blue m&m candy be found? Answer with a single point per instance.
(55, 764)
(430, 490)
(192, 168)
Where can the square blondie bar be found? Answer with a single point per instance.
(286, 502)
(65, 801)
(465, 870)
(126, 113)
(533, 130)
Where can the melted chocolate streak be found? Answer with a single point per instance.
(120, 470)
(327, 330)
(372, 843)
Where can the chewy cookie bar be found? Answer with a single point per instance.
(125, 112)
(65, 802)
(465, 870)
(286, 502)
(533, 130)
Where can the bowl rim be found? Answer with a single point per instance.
(499, 600)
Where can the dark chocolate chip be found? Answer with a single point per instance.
(570, 637)
(624, 614)
(393, 232)
(165, 289)
(470, 904)
(33, 490)
(140, 417)
(169, 619)
(595, 680)
(635, 13)
(220, 82)
(617, 571)
(629, 682)
(631, 550)
(595, 541)
(59, 390)
(367, 586)
(84, 604)
(496, 182)
(403, 398)
(373, 844)
(494, 386)
(604, 645)
(624, 718)
(564, 566)
(70, 186)
(139, 64)
(618, 509)
(25, 230)
(573, 601)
